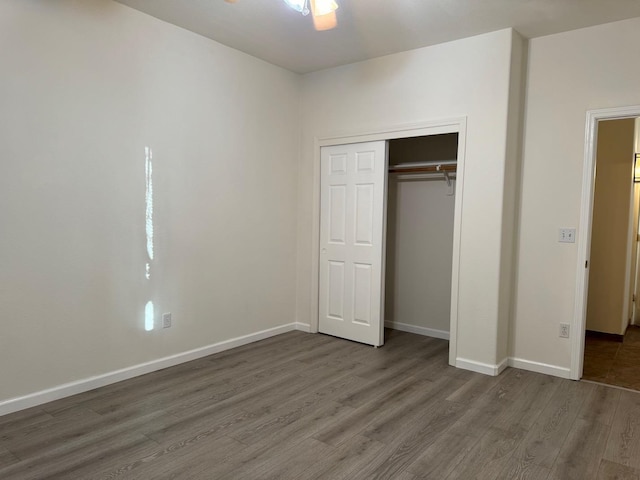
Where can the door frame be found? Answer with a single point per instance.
(586, 225)
(435, 127)
(630, 269)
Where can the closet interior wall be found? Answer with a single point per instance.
(419, 250)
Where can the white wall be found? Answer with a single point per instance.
(568, 74)
(470, 77)
(419, 251)
(85, 86)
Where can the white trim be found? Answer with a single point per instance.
(538, 367)
(434, 127)
(493, 370)
(427, 332)
(303, 327)
(479, 367)
(627, 310)
(391, 132)
(84, 385)
(584, 239)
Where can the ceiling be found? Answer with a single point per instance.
(270, 30)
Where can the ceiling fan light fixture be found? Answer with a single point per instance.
(324, 14)
(298, 6)
(323, 7)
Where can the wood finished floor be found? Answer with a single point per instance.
(301, 406)
(609, 361)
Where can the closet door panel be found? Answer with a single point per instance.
(364, 214)
(352, 216)
(338, 194)
(362, 286)
(335, 289)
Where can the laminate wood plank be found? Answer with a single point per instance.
(291, 463)
(325, 415)
(23, 419)
(546, 438)
(92, 455)
(489, 456)
(404, 450)
(286, 438)
(614, 471)
(600, 406)
(523, 470)
(439, 349)
(344, 460)
(438, 365)
(373, 389)
(525, 407)
(7, 458)
(75, 432)
(177, 432)
(365, 414)
(580, 455)
(623, 446)
(263, 397)
(231, 395)
(416, 407)
(241, 411)
(485, 410)
(473, 389)
(387, 367)
(405, 476)
(188, 460)
(277, 459)
(293, 410)
(36, 437)
(440, 458)
(311, 419)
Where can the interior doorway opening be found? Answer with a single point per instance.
(607, 275)
(611, 339)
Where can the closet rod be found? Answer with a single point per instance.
(430, 168)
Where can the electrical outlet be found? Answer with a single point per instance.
(564, 330)
(567, 235)
(166, 320)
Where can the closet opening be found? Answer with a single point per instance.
(420, 234)
(386, 253)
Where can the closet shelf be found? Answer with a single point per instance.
(424, 169)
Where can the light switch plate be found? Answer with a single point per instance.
(567, 235)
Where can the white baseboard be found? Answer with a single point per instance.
(494, 370)
(303, 327)
(538, 367)
(427, 332)
(84, 385)
(479, 367)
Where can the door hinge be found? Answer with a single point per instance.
(586, 264)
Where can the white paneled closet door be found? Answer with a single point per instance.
(352, 235)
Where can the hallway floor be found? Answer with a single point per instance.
(613, 362)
